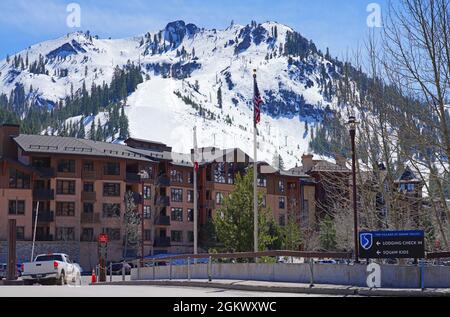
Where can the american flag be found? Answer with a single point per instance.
(257, 101)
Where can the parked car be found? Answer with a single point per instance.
(326, 262)
(55, 268)
(117, 269)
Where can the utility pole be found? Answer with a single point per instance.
(352, 124)
(196, 168)
(36, 217)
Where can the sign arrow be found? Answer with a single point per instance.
(378, 243)
(378, 252)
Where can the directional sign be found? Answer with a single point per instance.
(392, 245)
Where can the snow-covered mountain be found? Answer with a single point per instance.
(194, 77)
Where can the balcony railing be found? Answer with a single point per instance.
(137, 198)
(43, 194)
(133, 178)
(162, 242)
(161, 220)
(163, 181)
(88, 196)
(90, 218)
(41, 238)
(162, 201)
(44, 216)
(46, 172)
(89, 175)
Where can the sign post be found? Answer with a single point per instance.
(392, 245)
(11, 269)
(103, 240)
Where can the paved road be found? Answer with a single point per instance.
(128, 291)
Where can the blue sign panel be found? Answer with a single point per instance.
(392, 244)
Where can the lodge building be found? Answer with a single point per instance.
(78, 186)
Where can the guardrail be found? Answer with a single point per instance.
(438, 255)
(191, 259)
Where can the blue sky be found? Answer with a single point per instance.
(337, 24)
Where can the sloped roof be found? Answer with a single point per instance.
(325, 166)
(73, 146)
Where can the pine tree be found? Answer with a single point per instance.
(81, 132)
(92, 133)
(328, 234)
(99, 136)
(219, 98)
(123, 122)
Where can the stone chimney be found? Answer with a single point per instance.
(7, 145)
(341, 161)
(307, 162)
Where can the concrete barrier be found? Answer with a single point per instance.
(404, 277)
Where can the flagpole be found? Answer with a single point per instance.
(255, 180)
(195, 194)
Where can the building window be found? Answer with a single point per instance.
(219, 173)
(66, 166)
(87, 235)
(190, 215)
(177, 195)
(16, 207)
(20, 233)
(147, 192)
(65, 187)
(147, 212)
(111, 190)
(262, 182)
(88, 208)
(88, 187)
(176, 176)
(282, 220)
(65, 234)
(282, 203)
(113, 233)
(177, 214)
(88, 166)
(281, 186)
(191, 178)
(219, 198)
(190, 236)
(190, 196)
(112, 169)
(147, 235)
(18, 180)
(65, 209)
(176, 236)
(111, 211)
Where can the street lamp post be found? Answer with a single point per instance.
(352, 127)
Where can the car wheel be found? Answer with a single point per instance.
(62, 279)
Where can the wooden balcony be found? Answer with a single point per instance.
(43, 194)
(89, 175)
(162, 242)
(162, 221)
(90, 218)
(89, 196)
(44, 217)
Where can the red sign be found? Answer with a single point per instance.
(103, 238)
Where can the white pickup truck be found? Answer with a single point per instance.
(54, 268)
